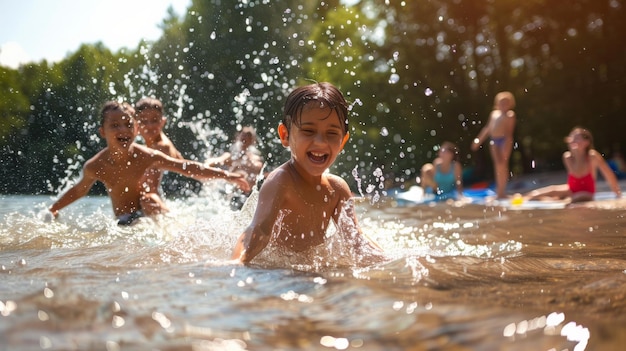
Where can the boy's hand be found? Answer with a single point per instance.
(240, 181)
(48, 216)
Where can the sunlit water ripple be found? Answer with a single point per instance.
(457, 278)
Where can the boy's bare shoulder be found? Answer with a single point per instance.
(97, 162)
(167, 147)
(142, 151)
(280, 177)
(339, 184)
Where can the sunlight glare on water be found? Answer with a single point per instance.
(83, 269)
(454, 276)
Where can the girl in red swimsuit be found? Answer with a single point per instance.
(582, 163)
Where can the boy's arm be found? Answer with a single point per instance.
(349, 222)
(482, 135)
(607, 173)
(198, 171)
(77, 191)
(258, 234)
(220, 160)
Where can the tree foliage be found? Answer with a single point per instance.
(416, 72)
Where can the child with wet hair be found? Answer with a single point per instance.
(121, 166)
(151, 121)
(298, 200)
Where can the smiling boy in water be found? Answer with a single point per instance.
(121, 166)
(151, 122)
(299, 198)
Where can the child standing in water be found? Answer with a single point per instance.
(299, 198)
(121, 166)
(151, 121)
(499, 130)
(445, 174)
(582, 163)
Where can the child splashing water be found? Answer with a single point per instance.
(122, 164)
(582, 163)
(298, 200)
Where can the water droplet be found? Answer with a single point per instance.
(394, 78)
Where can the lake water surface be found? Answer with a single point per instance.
(470, 277)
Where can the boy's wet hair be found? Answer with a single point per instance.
(325, 94)
(110, 106)
(149, 103)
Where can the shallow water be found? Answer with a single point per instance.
(458, 278)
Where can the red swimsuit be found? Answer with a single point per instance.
(584, 183)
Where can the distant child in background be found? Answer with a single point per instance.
(151, 121)
(244, 158)
(122, 164)
(582, 163)
(445, 174)
(499, 130)
(298, 199)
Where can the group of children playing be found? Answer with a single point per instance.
(581, 161)
(298, 200)
(314, 128)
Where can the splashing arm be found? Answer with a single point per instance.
(78, 190)
(198, 171)
(250, 244)
(267, 217)
(347, 222)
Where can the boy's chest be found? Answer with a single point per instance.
(311, 209)
(121, 175)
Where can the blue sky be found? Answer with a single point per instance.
(33, 30)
